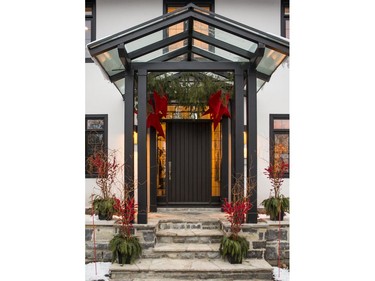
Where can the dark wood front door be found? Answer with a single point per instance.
(188, 162)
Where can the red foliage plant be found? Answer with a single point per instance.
(218, 107)
(126, 210)
(235, 213)
(106, 168)
(275, 173)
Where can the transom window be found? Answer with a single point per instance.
(279, 134)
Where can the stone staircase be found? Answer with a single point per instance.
(188, 240)
(189, 250)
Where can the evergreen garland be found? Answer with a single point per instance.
(189, 89)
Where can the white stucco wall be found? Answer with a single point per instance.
(273, 98)
(260, 14)
(117, 15)
(103, 98)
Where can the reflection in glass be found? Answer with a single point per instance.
(155, 54)
(95, 138)
(144, 41)
(216, 160)
(260, 84)
(110, 61)
(220, 52)
(96, 124)
(284, 140)
(225, 36)
(281, 124)
(270, 61)
(162, 165)
(120, 85)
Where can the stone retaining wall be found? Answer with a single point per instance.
(105, 230)
(274, 236)
(263, 238)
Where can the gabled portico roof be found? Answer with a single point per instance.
(188, 34)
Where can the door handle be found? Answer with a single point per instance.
(170, 170)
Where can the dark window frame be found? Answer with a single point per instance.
(182, 3)
(103, 117)
(92, 4)
(274, 132)
(284, 17)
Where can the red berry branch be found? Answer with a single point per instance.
(126, 210)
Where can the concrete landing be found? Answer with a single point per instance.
(190, 269)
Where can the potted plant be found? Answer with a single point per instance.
(277, 203)
(124, 246)
(105, 167)
(235, 247)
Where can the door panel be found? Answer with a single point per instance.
(188, 162)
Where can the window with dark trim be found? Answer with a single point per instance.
(279, 134)
(96, 137)
(285, 18)
(171, 5)
(90, 26)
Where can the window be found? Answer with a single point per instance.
(285, 18)
(171, 5)
(90, 26)
(96, 138)
(279, 134)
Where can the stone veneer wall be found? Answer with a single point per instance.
(105, 230)
(272, 245)
(263, 238)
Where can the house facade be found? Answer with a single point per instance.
(190, 160)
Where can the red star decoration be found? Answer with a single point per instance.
(159, 106)
(216, 108)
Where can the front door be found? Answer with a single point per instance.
(188, 162)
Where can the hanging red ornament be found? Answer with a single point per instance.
(216, 108)
(159, 106)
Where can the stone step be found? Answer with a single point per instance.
(173, 279)
(187, 250)
(180, 224)
(188, 269)
(189, 210)
(209, 236)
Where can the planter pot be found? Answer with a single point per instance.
(276, 218)
(123, 259)
(232, 260)
(105, 216)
